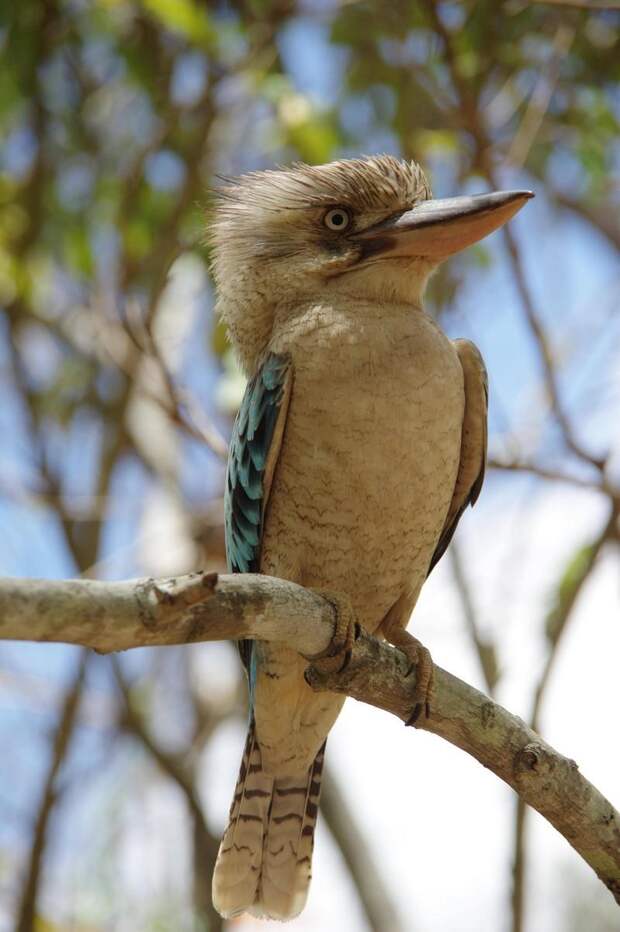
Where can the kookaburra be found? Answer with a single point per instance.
(360, 441)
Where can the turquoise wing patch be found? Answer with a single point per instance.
(250, 446)
(247, 459)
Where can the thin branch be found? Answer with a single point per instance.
(540, 98)
(540, 337)
(178, 403)
(487, 655)
(603, 217)
(355, 848)
(203, 607)
(555, 631)
(25, 920)
(205, 843)
(473, 121)
(557, 625)
(543, 473)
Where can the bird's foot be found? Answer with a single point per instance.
(337, 656)
(420, 660)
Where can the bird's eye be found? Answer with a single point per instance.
(337, 219)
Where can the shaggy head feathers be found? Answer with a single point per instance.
(270, 243)
(367, 184)
(249, 210)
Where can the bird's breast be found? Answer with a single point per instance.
(369, 456)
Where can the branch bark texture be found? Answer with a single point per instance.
(204, 607)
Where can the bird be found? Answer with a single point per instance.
(359, 442)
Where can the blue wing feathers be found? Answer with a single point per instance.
(247, 459)
(256, 411)
(273, 372)
(246, 529)
(251, 507)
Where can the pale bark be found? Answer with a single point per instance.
(110, 616)
(113, 616)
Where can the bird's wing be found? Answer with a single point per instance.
(252, 458)
(473, 442)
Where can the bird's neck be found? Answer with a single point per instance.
(369, 306)
(345, 334)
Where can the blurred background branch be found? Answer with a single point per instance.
(26, 919)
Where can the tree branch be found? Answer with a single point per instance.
(204, 607)
(485, 649)
(365, 871)
(473, 121)
(112, 616)
(602, 216)
(543, 473)
(26, 919)
(541, 97)
(204, 842)
(556, 625)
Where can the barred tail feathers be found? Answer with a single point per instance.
(237, 868)
(264, 863)
(287, 852)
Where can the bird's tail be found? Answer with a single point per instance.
(264, 864)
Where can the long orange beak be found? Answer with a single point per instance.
(440, 228)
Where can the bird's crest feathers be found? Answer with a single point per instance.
(367, 184)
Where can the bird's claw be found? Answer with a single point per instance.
(420, 662)
(337, 656)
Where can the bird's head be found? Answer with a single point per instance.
(367, 228)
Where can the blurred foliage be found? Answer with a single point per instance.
(500, 57)
(117, 114)
(568, 587)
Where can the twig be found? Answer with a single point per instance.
(473, 121)
(25, 920)
(178, 404)
(377, 902)
(543, 473)
(555, 631)
(485, 650)
(180, 400)
(604, 217)
(205, 843)
(541, 98)
(536, 327)
(556, 626)
(203, 607)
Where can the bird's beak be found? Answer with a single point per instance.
(439, 228)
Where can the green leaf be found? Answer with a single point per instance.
(77, 251)
(571, 581)
(189, 19)
(315, 140)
